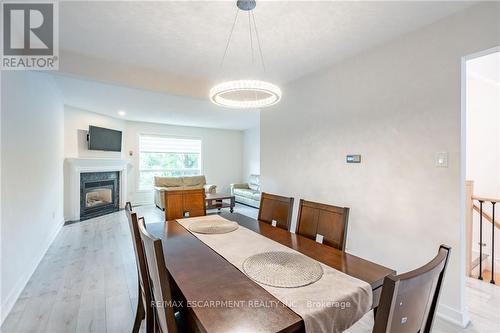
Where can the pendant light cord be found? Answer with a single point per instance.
(258, 42)
(251, 18)
(251, 39)
(229, 39)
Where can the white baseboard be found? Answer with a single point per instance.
(453, 316)
(14, 294)
(70, 219)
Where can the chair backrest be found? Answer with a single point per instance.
(325, 220)
(140, 260)
(180, 182)
(168, 182)
(159, 277)
(194, 182)
(277, 208)
(408, 301)
(180, 202)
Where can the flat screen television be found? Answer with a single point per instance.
(104, 139)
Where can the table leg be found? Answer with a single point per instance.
(231, 206)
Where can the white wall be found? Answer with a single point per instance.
(251, 152)
(397, 105)
(222, 150)
(32, 177)
(483, 142)
(76, 126)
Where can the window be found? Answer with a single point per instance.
(167, 157)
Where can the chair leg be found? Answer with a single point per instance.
(150, 319)
(156, 326)
(139, 314)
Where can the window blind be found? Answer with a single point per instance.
(160, 144)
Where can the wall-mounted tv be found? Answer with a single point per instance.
(104, 139)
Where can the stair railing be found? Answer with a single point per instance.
(471, 206)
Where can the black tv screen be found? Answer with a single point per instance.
(104, 139)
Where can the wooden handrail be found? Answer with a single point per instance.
(485, 199)
(486, 216)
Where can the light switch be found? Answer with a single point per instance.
(442, 160)
(353, 159)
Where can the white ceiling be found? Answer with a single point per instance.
(149, 106)
(186, 40)
(189, 37)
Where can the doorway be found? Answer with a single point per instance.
(482, 166)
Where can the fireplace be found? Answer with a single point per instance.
(99, 193)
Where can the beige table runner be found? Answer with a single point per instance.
(332, 304)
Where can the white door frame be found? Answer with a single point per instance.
(463, 160)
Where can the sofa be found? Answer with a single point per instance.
(248, 193)
(162, 184)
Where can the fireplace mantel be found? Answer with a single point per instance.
(75, 166)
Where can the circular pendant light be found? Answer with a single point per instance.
(245, 94)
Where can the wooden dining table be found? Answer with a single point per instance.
(216, 296)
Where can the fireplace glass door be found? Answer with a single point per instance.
(99, 197)
(99, 193)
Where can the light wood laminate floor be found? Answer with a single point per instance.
(87, 282)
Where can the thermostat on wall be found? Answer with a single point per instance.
(353, 159)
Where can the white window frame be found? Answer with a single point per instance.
(138, 175)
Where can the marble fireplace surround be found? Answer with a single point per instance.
(75, 166)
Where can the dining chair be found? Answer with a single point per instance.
(408, 301)
(180, 203)
(327, 223)
(166, 320)
(275, 208)
(144, 310)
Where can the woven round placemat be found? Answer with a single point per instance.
(282, 269)
(213, 227)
